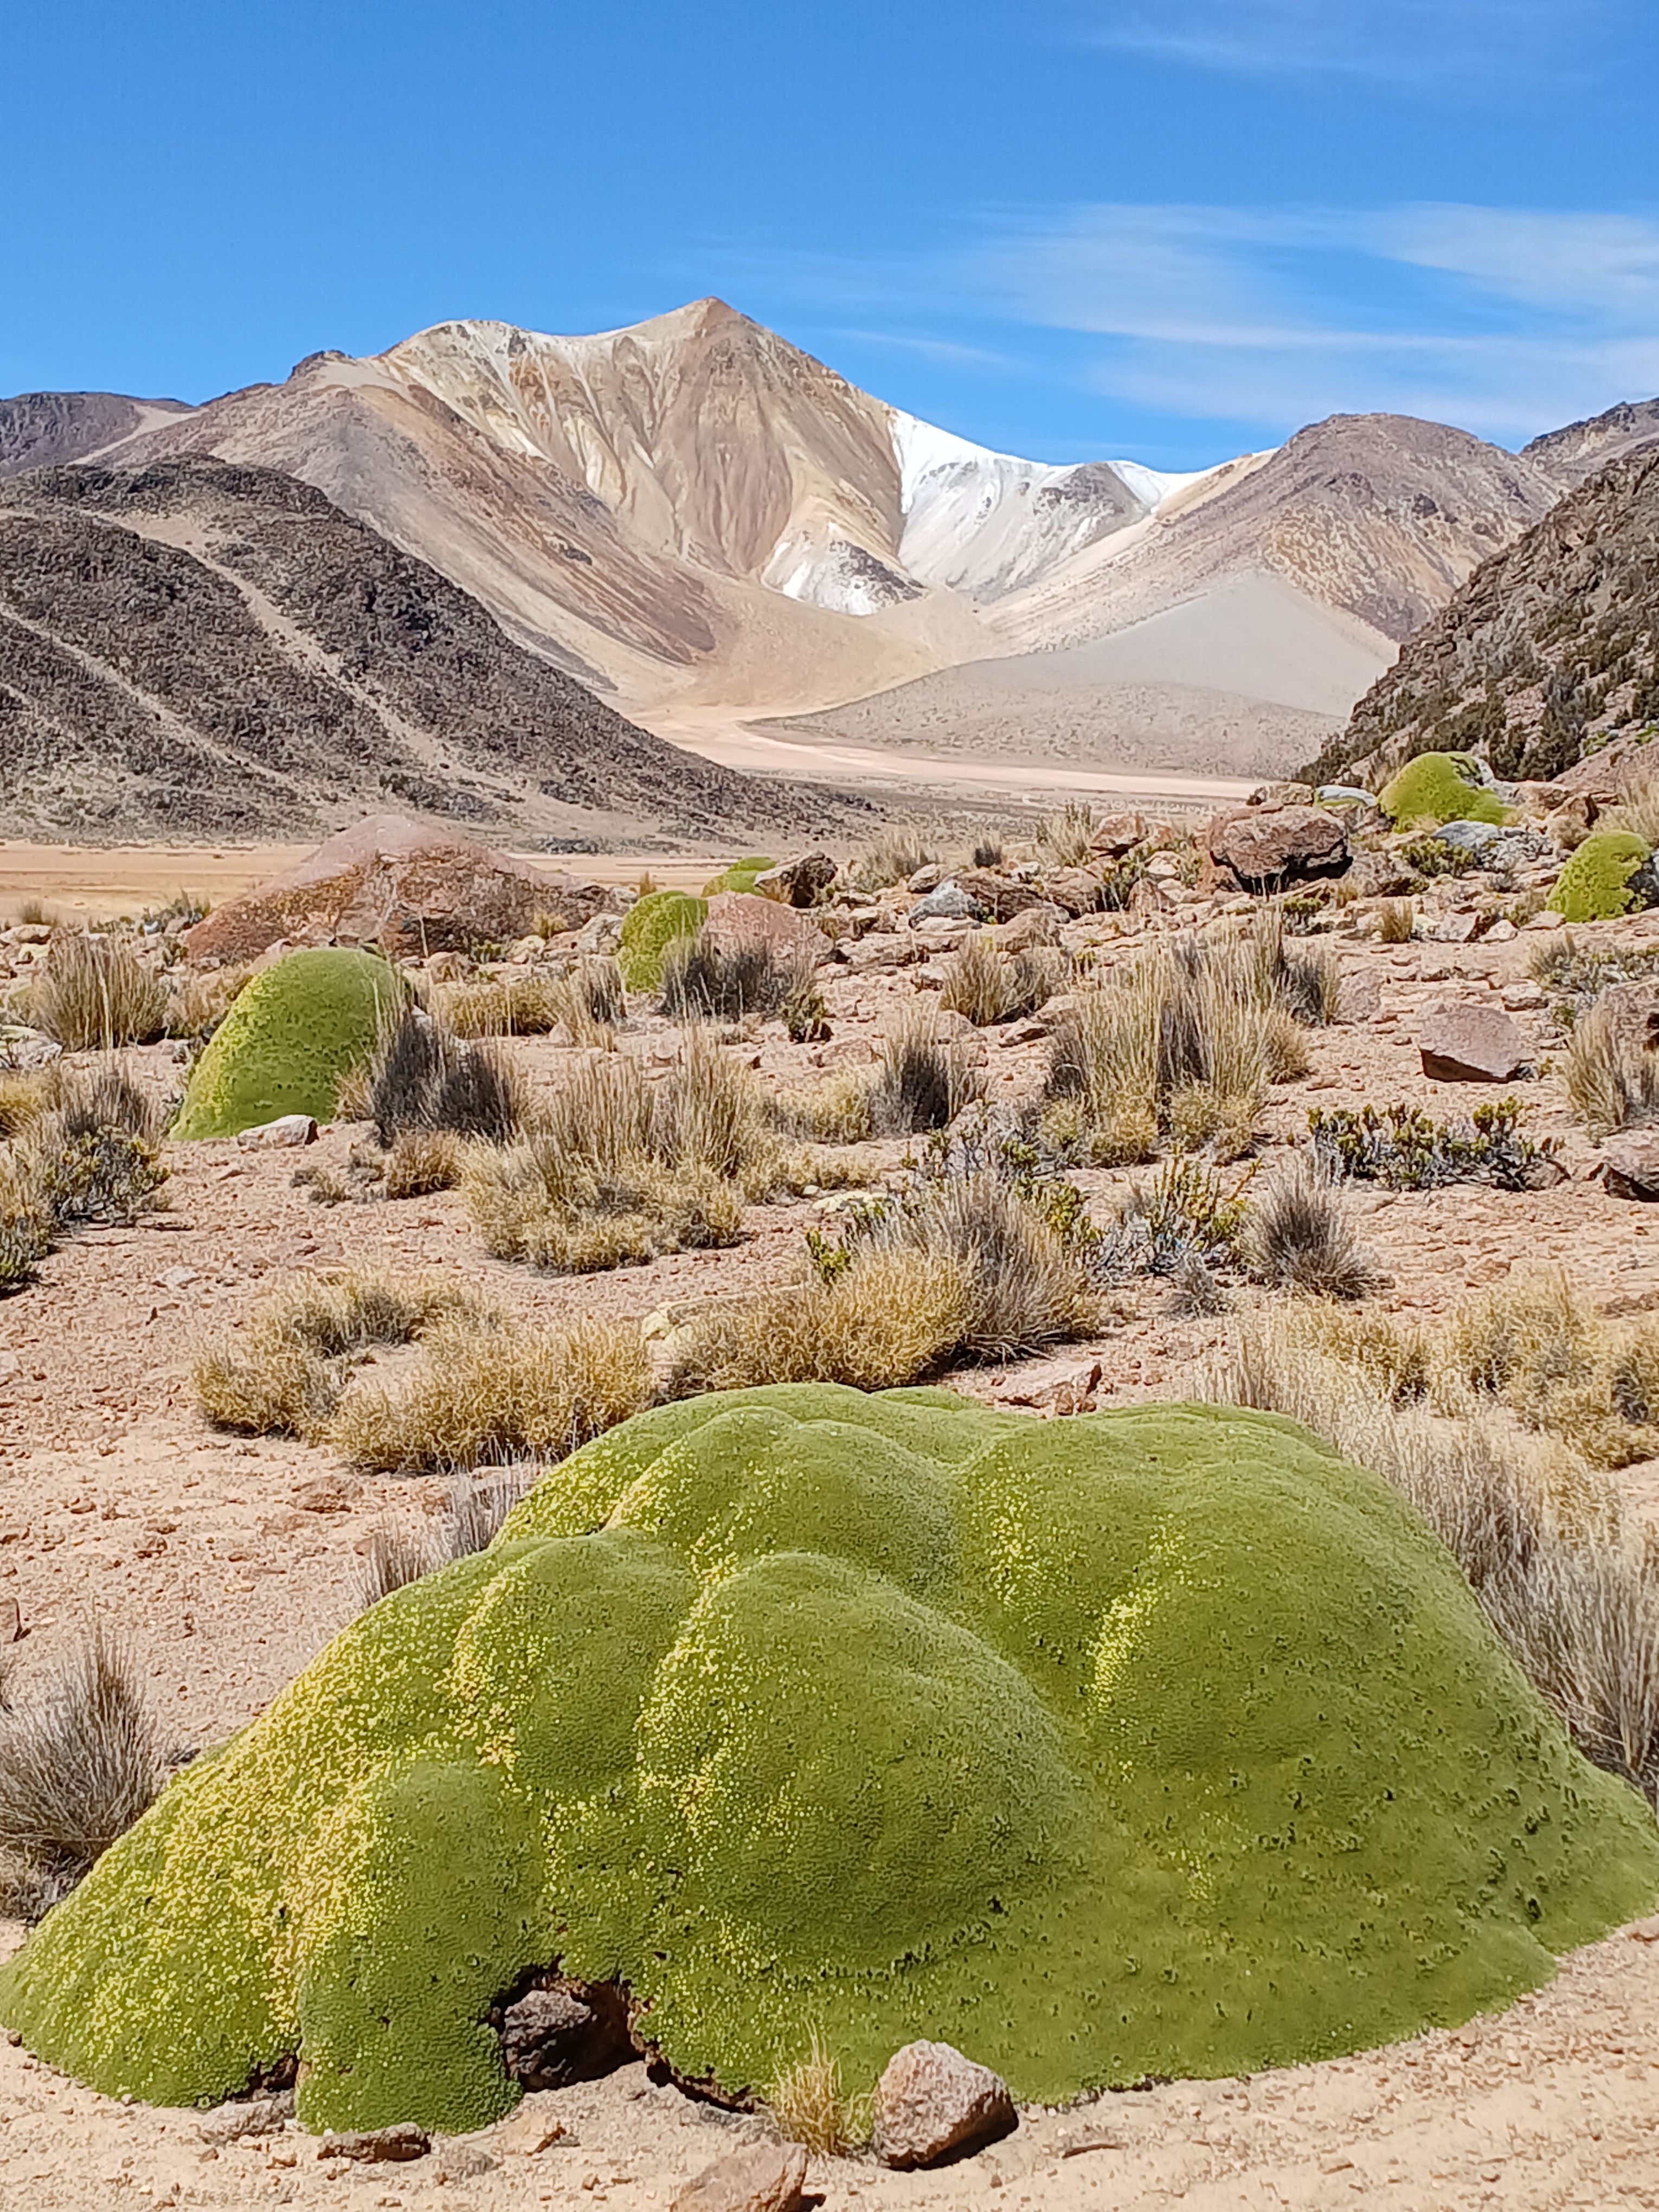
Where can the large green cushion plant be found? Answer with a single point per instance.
(1437, 788)
(290, 1035)
(649, 927)
(1161, 1741)
(1594, 885)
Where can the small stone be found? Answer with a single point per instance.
(1502, 931)
(931, 2101)
(1629, 1163)
(378, 2146)
(1358, 997)
(770, 2178)
(248, 2116)
(1521, 998)
(1547, 920)
(461, 2161)
(1471, 1044)
(847, 1051)
(287, 1130)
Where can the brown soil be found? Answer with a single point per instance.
(226, 1564)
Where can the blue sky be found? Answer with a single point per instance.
(1171, 229)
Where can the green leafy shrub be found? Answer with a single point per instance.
(886, 1717)
(649, 929)
(1437, 788)
(1594, 885)
(1407, 1149)
(288, 1040)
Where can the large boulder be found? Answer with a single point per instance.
(1472, 1043)
(798, 883)
(392, 882)
(803, 1714)
(999, 897)
(931, 2103)
(1268, 848)
(737, 920)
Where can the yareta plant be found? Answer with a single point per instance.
(1433, 788)
(1160, 1742)
(291, 1035)
(1595, 883)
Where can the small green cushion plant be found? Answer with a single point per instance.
(1437, 788)
(291, 1035)
(1594, 885)
(650, 927)
(1157, 1742)
(740, 875)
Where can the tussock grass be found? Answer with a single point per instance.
(1638, 811)
(23, 1099)
(198, 1002)
(891, 1320)
(920, 1082)
(421, 1161)
(811, 2105)
(529, 1005)
(496, 1395)
(96, 994)
(700, 984)
(1396, 920)
(1066, 840)
(80, 1760)
(403, 1550)
(1569, 1580)
(1563, 1368)
(893, 859)
(283, 1374)
(424, 1077)
(593, 1002)
(1611, 1080)
(988, 984)
(1299, 1236)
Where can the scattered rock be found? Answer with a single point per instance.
(1521, 998)
(1358, 997)
(393, 882)
(1281, 794)
(1034, 925)
(848, 1052)
(1571, 822)
(770, 2178)
(460, 2161)
(1547, 920)
(1629, 1164)
(23, 1047)
(326, 1493)
(1631, 1012)
(798, 882)
(287, 1129)
(378, 2146)
(880, 951)
(946, 903)
(932, 2101)
(247, 2116)
(738, 920)
(601, 933)
(1459, 928)
(1271, 846)
(1471, 1044)
(1000, 896)
(1382, 875)
(1075, 891)
(926, 879)
(1069, 1391)
(571, 2032)
(1117, 835)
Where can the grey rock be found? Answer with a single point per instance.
(932, 2102)
(1472, 1044)
(286, 1131)
(573, 2032)
(247, 2116)
(947, 901)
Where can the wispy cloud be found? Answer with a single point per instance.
(1407, 41)
(945, 353)
(1503, 319)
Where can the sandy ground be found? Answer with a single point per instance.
(226, 1564)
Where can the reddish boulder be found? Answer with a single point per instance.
(1265, 848)
(1036, 925)
(397, 883)
(1472, 1044)
(999, 895)
(770, 2178)
(1116, 834)
(738, 920)
(932, 2102)
(1629, 1164)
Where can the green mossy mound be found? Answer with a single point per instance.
(650, 927)
(287, 1040)
(1439, 788)
(740, 875)
(1594, 885)
(1160, 1742)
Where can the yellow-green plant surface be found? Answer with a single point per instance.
(740, 875)
(1594, 885)
(1160, 1742)
(292, 1033)
(1437, 788)
(649, 929)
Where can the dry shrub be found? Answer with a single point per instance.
(893, 859)
(283, 1373)
(421, 1161)
(1569, 1580)
(96, 994)
(1298, 1236)
(79, 1762)
(1561, 1366)
(422, 1077)
(529, 1005)
(402, 1550)
(198, 1002)
(95, 1156)
(1066, 840)
(811, 2105)
(1397, 920)
(496, 1395)
(889, 1321)
(989, 984)
(23, 1099)
(1611, 1080)
(1028, 1285)
(700, 984)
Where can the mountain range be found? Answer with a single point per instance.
(704, 527)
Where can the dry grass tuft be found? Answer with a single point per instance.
(810, 2106)
(96, 994)
(79, 1762)
(529, 1005)
(421, 1161)
(893, 859)
(1066, 840)
(496, 1395)
(889, 1321)
(1569, 1581)
(700, 984)
(1299, 1236)
(593, 1002)
(989, 984)
(1562, 1367)
(1611, 1080)
(198, 1002)
(421, 1077)
(1638, 811)
(23, 1099)
(920, 1082)
(1396, 920)
(404, 1550)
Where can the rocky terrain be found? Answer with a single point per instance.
(1548, 650)
(192, 648)
(228, 1560)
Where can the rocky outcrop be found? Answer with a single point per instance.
(1266, 848)
(798, 882)
(392, 882)
(737, 920)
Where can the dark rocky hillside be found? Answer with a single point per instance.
(40, 429)
(1548, 650)
(193, 648)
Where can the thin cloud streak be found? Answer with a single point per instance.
(1406, 42)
